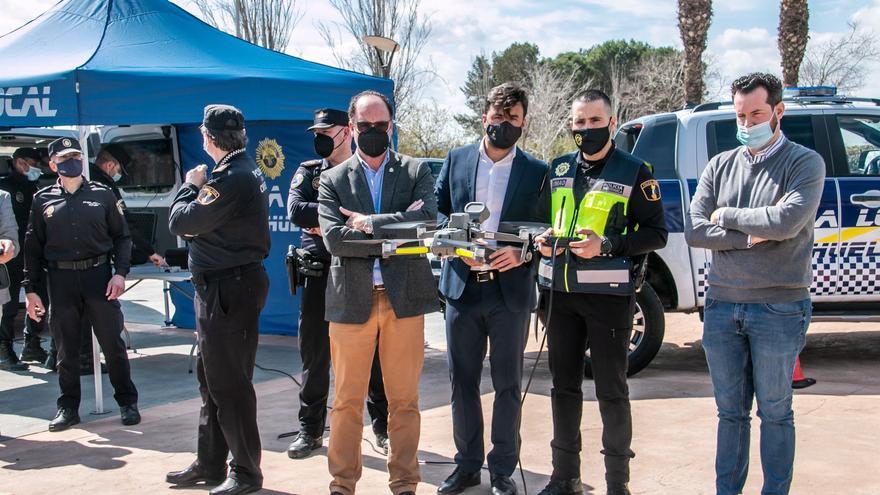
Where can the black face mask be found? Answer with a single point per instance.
(503, 135)
(324, 144)
(591, 141)
(373, 142)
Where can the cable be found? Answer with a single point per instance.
(273, 370)
(537, 361)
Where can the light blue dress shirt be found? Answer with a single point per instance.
(375, 179)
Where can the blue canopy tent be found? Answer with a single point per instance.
(103, 62)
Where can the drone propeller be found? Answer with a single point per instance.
(410, 225)
(382, 241)
(515, 227)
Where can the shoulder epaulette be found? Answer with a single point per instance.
(311, 163)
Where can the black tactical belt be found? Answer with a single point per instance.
(79, 264)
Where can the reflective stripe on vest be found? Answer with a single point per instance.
(614, 185)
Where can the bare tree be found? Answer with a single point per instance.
(550, 94)
(398, 20)
(694, 18)
(268, 23)
(428, 130)
(654, 87)
(841, 61)
(794, 32)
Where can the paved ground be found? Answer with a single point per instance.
(674, 420)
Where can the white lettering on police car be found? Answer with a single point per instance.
(864, 219)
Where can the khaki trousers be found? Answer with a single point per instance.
(401, 354)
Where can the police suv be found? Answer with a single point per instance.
(846, 254)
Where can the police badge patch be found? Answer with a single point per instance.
(316, 182)
(651, 190)
(270, 157)
(207, 195)
(49, 211)
(121, 207)
(19, 196)
(562, 169)
(297, 180)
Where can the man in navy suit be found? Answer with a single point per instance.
(491, 300)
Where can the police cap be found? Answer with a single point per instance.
(223, 118)
(31, 153)
(63, 146)
(328, 117)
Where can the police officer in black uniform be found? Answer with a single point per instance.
(77, 232)
(109, 169)
(333, 144)
(225, 218)
(21, 184)
(592, 314)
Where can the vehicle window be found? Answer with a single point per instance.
(151, 166)
(861, 141)
(626, 137)
(656, 145)
(721, 134)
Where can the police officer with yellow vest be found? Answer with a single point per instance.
(606, 216)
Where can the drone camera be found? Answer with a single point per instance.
(477, 212)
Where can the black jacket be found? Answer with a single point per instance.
(226, 221)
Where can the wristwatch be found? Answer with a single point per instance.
(606, 246)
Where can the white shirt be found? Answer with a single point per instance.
(491, 187)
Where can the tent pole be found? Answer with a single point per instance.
(96, 348)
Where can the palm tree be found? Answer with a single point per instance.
(694, 18)
(794, 16)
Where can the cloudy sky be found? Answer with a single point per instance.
(742, 37)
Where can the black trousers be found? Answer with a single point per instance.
(227, 308)
(32, 328)
(78, 293)
(314, 350)
(478, 317)
(604, 323)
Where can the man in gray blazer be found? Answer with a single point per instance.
(371, 300)
(8, 240)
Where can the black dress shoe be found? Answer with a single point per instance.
(65, 418)
(503, 485)
(572, 486)
(233, 486)
(458, 481)
(382, 442)
(618, 489)
(32, 351)
(8, 360)
(195, 474)
(130, 414)
(303, 445)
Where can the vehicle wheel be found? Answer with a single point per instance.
(649, 325)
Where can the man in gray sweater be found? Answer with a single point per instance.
(754, 208)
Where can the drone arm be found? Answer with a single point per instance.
(423, 190)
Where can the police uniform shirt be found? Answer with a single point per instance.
(22, 193)
(226, 221)
(645, 209)
(69, 227)
(302, 204)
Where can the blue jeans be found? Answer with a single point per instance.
(751, 349)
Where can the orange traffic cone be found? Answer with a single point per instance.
(798, 380)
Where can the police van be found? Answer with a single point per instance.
(846, 255)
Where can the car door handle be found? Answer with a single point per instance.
(868, 199)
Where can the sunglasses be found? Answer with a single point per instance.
(364, 126)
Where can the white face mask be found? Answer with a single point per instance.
(758, 135)
(117, 177)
